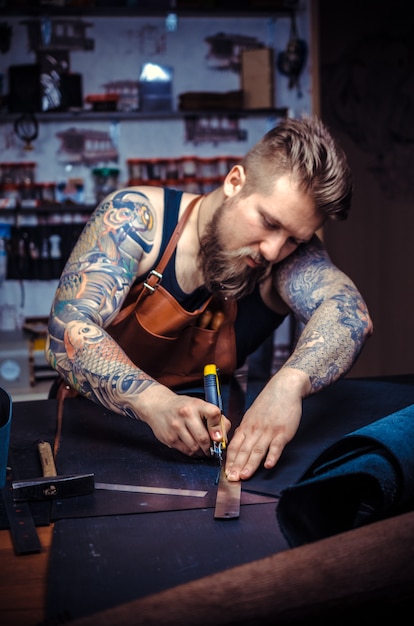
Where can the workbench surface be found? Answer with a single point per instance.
(121, 546)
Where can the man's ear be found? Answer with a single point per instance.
(234, 181)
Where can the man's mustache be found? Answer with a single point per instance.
(243, 253)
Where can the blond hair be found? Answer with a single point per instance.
(305, 149)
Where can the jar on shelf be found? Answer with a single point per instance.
(155, 169)
(70, 190)
(27, 172)
(18, 172)
(138, 170)
(47, 192)
(207, 168)
(223, 166)
(8, 173)
(9, 196)
(191, 185)
(29, 196)
(172, 170)
(188, 167)
(106, 181)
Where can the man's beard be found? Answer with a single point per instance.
(225, 272)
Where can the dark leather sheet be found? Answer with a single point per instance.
(120, 450)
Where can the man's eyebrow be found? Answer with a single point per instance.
(276, 223)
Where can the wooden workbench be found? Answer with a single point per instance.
(23, 581)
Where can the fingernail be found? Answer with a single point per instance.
(217, 435)
(232, 475)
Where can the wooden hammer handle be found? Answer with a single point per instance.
(46, 459)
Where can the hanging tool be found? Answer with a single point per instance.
(228, 492)
(26, 128)
(291, 62)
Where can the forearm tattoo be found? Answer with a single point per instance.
(335, 315)
(94, 283)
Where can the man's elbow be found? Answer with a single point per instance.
(370, 328)
(367, 325)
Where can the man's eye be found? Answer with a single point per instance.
(268, 224)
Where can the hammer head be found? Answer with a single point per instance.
(53, 487)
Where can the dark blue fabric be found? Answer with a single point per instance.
(365, 476)
(172, 201)
(194, 300)
(255, 322)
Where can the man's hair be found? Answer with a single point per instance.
(305, 149)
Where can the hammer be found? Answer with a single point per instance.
(50, 485)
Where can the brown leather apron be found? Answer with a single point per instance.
(164, 339)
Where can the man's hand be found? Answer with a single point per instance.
(268, 425)
(185, 423)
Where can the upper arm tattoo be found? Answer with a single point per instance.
(335, 315)
(308, 277)
(105, 261)
(98, 275)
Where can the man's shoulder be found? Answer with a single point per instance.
(148, 194)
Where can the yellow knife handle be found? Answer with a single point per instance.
(213, 394)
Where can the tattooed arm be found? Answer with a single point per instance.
(117, 245)
(336, 318)
(337, 323)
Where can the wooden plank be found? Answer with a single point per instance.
(23, 581)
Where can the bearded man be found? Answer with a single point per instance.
(162, 282)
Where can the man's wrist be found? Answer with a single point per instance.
(296, 381)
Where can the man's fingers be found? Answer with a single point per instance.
(238, 463)
(275, 451)
(244, 457)
(218, 425)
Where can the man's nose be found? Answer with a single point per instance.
(271, 247)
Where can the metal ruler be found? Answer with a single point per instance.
(228, 492)
(228, 498)
(165, 491)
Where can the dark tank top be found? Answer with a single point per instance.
(254, 322)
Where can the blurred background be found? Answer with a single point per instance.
(98, 95)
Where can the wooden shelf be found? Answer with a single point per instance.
(50, 207)
(145, 8)
(91, 116)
